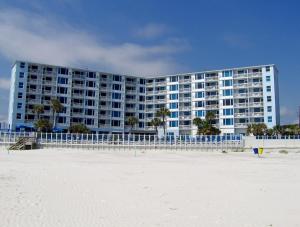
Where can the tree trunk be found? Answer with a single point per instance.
(164, 126)
(54, 119)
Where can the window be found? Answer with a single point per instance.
(174, 115)
(21, 75)
(89, 112)
(19, 106)
(269, 99)
(173, 124)
(90, 84)
(89, 121)
(227, 112)
(20, 95)
(227, 92)
(62, 80)
(267, 68)
(174, 87)
(62, 120)
(141, 124)
(141, 116)
(199, 76)
(117, 87)
(21, 85)
(199, 94)
(116, 96)
(141, 107)
(22, 65)
(199, 104)
(269, 108)
(142, 81)
(91, 75)
(268, 88)
(227, 102)
(63, 71)
(115, 123)
(116, 113)
(19, 116)
(90, 93)
(200, 113)
(268, 78)
(227, 83)
(141, 98)
(227, 73)
(228, 121)
(62, 90)
(199, 85)
(173, 78)
(173, 105)
(90, 102)
(116, 105)
(117, 78)
(142, 90)
(269, 119)
(173, 96)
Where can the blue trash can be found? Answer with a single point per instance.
(255, 150)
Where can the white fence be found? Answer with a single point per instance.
(125, 141)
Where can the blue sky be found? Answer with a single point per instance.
(154, 37)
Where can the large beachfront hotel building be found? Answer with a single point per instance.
(103, 101)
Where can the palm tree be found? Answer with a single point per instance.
(43, 125)
(163, 113)
(209, 117)
(257, 129)
(79, 128)
(156, 122)
(132, 121)
(200, 125)
(278, 130)
(38, 110)
(57, 107)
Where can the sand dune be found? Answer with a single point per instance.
(91, 188)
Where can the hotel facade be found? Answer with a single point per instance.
(103, 101)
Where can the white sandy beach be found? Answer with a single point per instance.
(90, 188)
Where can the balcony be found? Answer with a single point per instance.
(212, 106)
(256, 94)
(214, 78)
(257, 104)
(185, 80)
(77, 104)
(185, 90)
(211, 88)
(186, 99)
(130, 92)
(212, 97)
(241, 115)
(240, 104)
(183, 108)
(160, 101)
(49, 82)
(240, 76)
(240, 95)
(241, 125)
(256, 84)
(257, 114)
(185, 117)
(240, 85)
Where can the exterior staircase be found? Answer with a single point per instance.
(24, 143)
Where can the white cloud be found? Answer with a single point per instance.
(237, 40)
(32, 37)
(4, 84)
(152, 31)
(286, 112)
